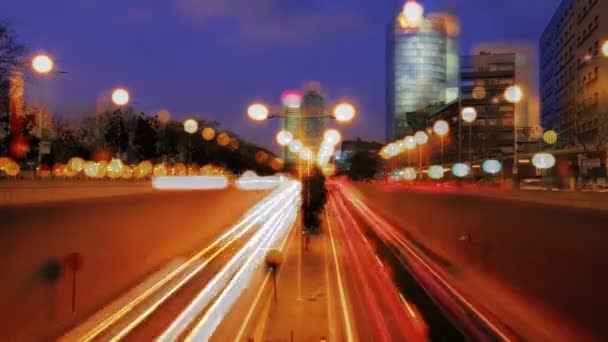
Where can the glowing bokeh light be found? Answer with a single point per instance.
(120, 96)
(276, 164)
(76, 164)
(441, 127)
(91, 169)
(491, 166)
(208, 133)
(114, 168)
(421, 137)
(12, 169)
(179, 169)
(295, 146)
(413, 12)
(42, 64)
(468, 114)
(550, 137)
(392, 149)
(190, 126)
(223, 139)
(261, 157)
(436, 172)
(284, 137)
(332, 136)
(479, 93)
(58, 170)
(461, 170)
(163, 116)
(43, 171)
(234, 143)
(513, 94)
(409, 142)
(127, 172)
(4, 161)
(258, 112)
(102, 169)
(543, 160)
(409, 173)
(605, 49)
(344, 112)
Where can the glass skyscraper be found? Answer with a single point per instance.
(422, 69)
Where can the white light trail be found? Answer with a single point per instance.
(221, 281)
(189, 182)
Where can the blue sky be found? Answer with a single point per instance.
(212, 57)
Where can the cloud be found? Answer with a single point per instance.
(275, 21)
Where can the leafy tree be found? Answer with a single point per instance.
(116, 134)
(11, 59)
(146, 136)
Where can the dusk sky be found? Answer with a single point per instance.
(210, 58)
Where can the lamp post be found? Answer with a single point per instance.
(469, 115)
(513, 94)
(441, 128)
(42, 64)
(120, 97)
(190, 127)
(420, 138)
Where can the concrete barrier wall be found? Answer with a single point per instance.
(16, 192)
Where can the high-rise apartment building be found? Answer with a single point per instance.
(574, 73)
(422, 67)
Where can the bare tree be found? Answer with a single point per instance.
(11, 59)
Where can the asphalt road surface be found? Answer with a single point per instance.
(119, 240)
(539, 268)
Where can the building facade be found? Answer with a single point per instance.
(422, 68)
(574, 73)
(313, 112)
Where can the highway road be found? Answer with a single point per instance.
(539, 269)
(120, 241)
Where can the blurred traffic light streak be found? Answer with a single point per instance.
(389, 314)
(472, 319)
(108, 326)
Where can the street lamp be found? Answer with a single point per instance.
(412, 13)
(344, 112)
(190, 127)
(409, 143)
(332, 136)
(284, 137)
(514, 94)
(120, 96)
(258, 112)
(469, 115)
(420, 138)
(295, 146)
(42, 64)
(441, 128)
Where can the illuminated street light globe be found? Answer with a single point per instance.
(42, 64)
(460, 170)
(258, 112)
(295, 146)
(550, 137)
(409, 142)
(284, 137)
(120, 96)
(605, 49)
(492, 166)
(344, 112)
(208, 133)
(421, 137)
(436, 172)
(409, 173)
(543, 160)
(392, 149)
(441, 127)
(479, 92)
(190, 126)
(413, 12)
(332, 136)
(513, 94)
(468, 114)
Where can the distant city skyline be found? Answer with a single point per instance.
(211, 60)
